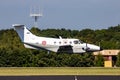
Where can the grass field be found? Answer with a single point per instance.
(29, 71)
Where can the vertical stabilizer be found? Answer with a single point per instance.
(24, 34)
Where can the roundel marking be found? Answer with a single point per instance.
(44, 43)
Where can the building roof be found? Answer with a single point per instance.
(107, 52)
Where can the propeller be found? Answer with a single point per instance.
(86, 48)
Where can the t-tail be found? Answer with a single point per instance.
(25, 35)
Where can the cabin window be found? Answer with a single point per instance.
(65, 42)
(76, 42)
(59, 42)
(28, 33)
(70, 42)
(54, 42)
(37, 42)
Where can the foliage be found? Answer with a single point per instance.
(118, 60)
(99, 61)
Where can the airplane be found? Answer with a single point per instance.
(57, 45)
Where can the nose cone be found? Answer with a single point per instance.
(93, 48)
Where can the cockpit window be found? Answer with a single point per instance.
(81, 42)
(78, 42)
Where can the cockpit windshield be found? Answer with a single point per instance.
(78, 42)
(81, 41)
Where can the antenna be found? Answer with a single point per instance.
(35, 13)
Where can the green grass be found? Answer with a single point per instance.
(31, 71)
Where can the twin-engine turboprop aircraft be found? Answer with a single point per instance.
(53, 44)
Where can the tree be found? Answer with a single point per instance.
(99, 61)
(118, 60)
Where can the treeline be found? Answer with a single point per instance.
(13, 53)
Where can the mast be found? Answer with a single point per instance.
(36, 14)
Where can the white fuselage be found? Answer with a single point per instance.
(53, 44)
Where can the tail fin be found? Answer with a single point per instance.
(24, 34)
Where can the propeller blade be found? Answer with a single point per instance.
(86, 48)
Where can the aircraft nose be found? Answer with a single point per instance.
(97, 48)
(94, 48)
